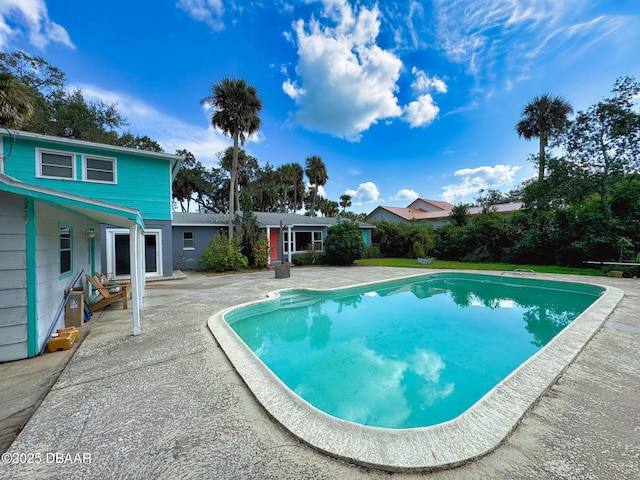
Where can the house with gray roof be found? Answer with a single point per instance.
(288, 233)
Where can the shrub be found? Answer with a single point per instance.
(372, 251)
(261, 251)
(223, 255)
(344, 244)
(309, 258)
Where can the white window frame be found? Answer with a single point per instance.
(294, 243)
(111, 250)
(39, 174)
(62, 227)
(85, 168)
(192, 239)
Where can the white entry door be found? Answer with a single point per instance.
(118, 258)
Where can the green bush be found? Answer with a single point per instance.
(309, 258)
(261, 251)
(223, 255)
(372, 251)
(344, 244)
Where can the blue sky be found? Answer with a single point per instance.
(400, 99)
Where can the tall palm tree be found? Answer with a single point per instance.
(316, 171)
(16, 103)
(542, 118)
(345, 201)
(236, 106)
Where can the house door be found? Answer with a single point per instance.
(273, 243)
(118, 253)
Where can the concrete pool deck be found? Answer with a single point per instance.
(168, 403)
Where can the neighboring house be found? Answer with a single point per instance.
(68, 208)
(192, 233)
(434, 212)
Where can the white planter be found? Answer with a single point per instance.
(425, 261)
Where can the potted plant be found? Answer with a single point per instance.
(421, 249)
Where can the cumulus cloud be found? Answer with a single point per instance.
(366, 193)
(347, 82)
(472, 180)
(423, 83)
(421, 112)
(207, 11)
(171, 133)
(30, 18)
(406, 194)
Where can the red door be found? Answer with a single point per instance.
(273, 243)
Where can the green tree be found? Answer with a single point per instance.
(292, 186)
(316, 172)
(129, 140)
(344, 244)
(236, 105)
(604, 140)
(16, 102)
(34, 72)
(345, 202)
(190, 182)
(543, 118)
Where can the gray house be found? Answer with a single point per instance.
(192, 233)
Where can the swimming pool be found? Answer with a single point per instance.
(407, 353)
(473, 433)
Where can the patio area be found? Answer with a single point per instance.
(168, 403)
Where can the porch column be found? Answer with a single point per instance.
(269, 243)
(290, 243)
(136, 257)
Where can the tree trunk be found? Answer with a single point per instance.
(542, 157)
(232, 182)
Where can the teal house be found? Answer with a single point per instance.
(70, 208)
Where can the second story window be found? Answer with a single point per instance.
(100, 169)
(55, 164)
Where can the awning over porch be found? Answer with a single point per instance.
(100, 212)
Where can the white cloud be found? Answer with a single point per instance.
(207, 11)
(423, 83)
(406, 194)
(421, 112)
(484, 34)
(366, 193)
(347, 82)
(171, 133)
(472, 180)
(30, 17)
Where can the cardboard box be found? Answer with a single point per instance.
(74, 309)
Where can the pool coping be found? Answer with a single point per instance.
(472, 435)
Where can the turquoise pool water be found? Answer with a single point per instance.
(407, 353)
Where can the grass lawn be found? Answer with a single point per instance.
(450, 265)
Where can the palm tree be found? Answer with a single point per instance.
(345, 201)
(542, 118)
(16, 103)
(236, 106)
(316, 171)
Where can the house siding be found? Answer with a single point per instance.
(153, 201)
(13, 279)
(50, 284)
(202, 235)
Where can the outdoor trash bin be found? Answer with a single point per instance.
(74, 309)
